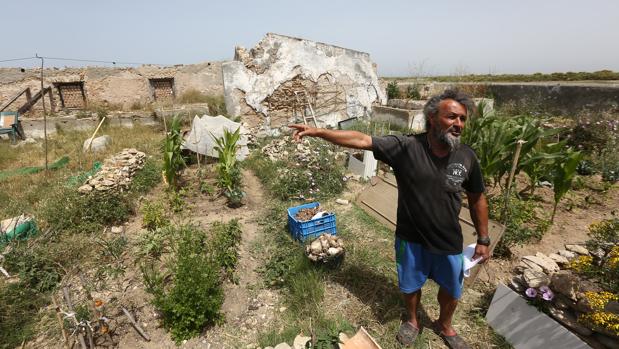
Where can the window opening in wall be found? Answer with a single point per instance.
(162, 88)
(72, 95)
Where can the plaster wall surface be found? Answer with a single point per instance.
(256, 75)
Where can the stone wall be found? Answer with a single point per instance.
(557, 98)
(260, 83)
(121, 87)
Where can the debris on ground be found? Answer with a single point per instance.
(306, 214)
(21, 227)
(326, 248)
(116, 173)
(204, 130)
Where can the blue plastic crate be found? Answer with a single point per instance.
(310, 229)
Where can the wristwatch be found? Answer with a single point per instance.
(483, 240)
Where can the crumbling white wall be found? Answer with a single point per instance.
(255, 75)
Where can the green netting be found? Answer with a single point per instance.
(22, 231)
(60, 163)
(81, 178)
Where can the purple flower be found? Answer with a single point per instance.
(530, 292)
(544, 289)
(548, 296)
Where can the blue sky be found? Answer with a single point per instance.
(402, 37)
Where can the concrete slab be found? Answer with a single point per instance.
(524, 327)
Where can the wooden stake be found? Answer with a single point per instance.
(96, 130)
(67, 299)
(135, 324)
(511, 177)
(60, 322)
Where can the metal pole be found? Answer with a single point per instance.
(44, 113)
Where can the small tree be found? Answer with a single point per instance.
(393, 91)
(564, 172)
(228, 169)
(172, 159)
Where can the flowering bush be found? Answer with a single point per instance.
(581, 264)
(599, 317)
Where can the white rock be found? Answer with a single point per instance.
(577, 249)
(342, 201)
(98, 144)
(282, 346)
(299, 342)
(559, 259)
(118, 229)
(535, 278)
(332, 251)
(567, 254)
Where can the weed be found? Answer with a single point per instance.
(34, 269)
(148, 177)
(153, 243)
(412, 92)
(154, 216)
(176, 200)
(18, 313)
(225, 246)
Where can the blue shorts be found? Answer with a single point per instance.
(415, 265)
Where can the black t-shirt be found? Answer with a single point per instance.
(429, 189)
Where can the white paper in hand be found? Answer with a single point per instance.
(469, 262)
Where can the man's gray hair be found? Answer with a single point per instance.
(431, 107)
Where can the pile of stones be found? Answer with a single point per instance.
(325, 248)
(116, 173)
(570, 289)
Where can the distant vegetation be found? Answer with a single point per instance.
(569, 76)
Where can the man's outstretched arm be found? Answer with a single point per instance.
(349, 139)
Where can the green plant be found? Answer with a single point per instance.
(152, 243)
(18, 313)
(224, 243)
(153, 215)
(228, 169)
(564, 172)
(412, 92)
(173, 160)
(393, 91)
(195, 297)
(176, 200)
(147, 177)
(34, 269)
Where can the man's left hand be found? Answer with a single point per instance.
(482, 251)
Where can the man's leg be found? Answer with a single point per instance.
(412, 301)
(448, 307)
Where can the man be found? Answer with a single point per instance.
(431, 169)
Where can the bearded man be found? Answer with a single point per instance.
(432, 170)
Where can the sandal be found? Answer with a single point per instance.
(407, 334)
(453, 342)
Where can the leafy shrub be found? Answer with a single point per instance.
(225, 245)
(153, 243)
(563, 174)
(393, 91)
(194, 298)
(228, 169)
(412, 92)
(605, 236)
(523, 225)
(67, 210)
(34, 270)
(18, 313)
(153, 215)
(148, 177)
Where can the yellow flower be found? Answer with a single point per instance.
(581, 263)
(598, 300)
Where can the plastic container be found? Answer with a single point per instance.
(310, 229)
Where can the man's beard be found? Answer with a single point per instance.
(445, 136)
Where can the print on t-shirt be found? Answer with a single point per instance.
(455, 175)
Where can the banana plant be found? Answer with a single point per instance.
(564, 172)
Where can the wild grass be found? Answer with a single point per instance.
(216, 103)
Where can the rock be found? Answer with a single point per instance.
(577, 249)
(568, 320)
(299, 342)
(567, 254)
(608, 342)
(84, 189)
(535, 278)
(343, 337)
(527, 264)
(562, 302)
(559, 259)
(519, 284)
(612, 307)
(342, 201)
(282, 346)
(118, 229)
(546, 263)
(98, 144)
(565, 283)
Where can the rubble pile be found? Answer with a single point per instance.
(572, 299)
(306, 214)
(116, 173)
(325, 248)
